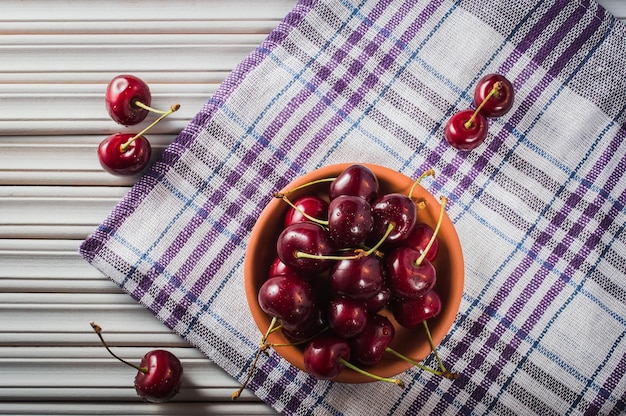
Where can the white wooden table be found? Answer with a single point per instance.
(56, 58)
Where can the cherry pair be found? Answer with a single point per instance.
(128, 101)
(493, 97)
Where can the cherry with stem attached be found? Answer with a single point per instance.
(127, 154)
(159, 374)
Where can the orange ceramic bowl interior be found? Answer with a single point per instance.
(413, 343)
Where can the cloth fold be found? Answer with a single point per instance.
(539, 207)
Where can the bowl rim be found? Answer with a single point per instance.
(387, 177)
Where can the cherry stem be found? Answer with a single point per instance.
(421, 258)
(124, 146)
(290, 344)
(98, 330)
(315, 182)
(148, 108)
(494, 90)
(429, 172)
(442, 373)
(307, 216)
(351, 366)
(433, 348)
(262, 347)
(359, 252)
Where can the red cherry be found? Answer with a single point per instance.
(369, 346)
(350, 221)
(359, 278)
(310, 205)
(466, 130)
(324, 356)
(162, 379)
(407, 275)
(355, 180)
(288, 298)
(301, 245)
(120, 155)
(419, 239)
(159, 374)
(396, 210)
(347, 317)
(494, 95)
(122, 94)
(411, 312)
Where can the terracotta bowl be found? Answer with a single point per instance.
(413, 343)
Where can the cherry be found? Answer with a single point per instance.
(494, 95)
(418, 239)
(301, 245)
(126, 99)
(309, 205)
(325, 356)
(278, 268)
(407, 275)
(379, 301)
(306, 330)
(466, 130)
(347, 317)
(127, 154)
(393, 210)
(120, 155)
(159, 374)
(350, 220)
(288, 298)
(369, 346)
(360, 278)
(411, 312)
(355, 180)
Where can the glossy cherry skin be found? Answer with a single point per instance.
(278, 268)
(163, 378)
(288, 298)
(369, 346)
(355, 180)
(312, 205)
(121, 94)
(379, 301)
(350, 221)
(420, 237)
(322, 356)
(347, 317)
(405, 277)
(129, 162)
(500, 102)
(360, 278)
(394, 208)
(305, 330)
(306, 237)
(462, 137)
(411, 312)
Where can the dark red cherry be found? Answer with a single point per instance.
(305, 330)
(122, 94)
(405, 276)
(466, 130)
(120, 156)
(411, 312)
(305, 239)
(418, 239)
(350, 221)
(355, 180)
(311, 205)
(347, 317)
(278, 268)
(397, 209)
(288, 298)
(360, 278)
(324, 355)
(379, 301)
(369, 346)
(162, 379)
(497, 94)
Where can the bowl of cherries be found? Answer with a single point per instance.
(354, 273)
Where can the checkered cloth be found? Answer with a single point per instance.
(539, 207)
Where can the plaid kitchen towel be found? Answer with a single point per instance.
(539, 207)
